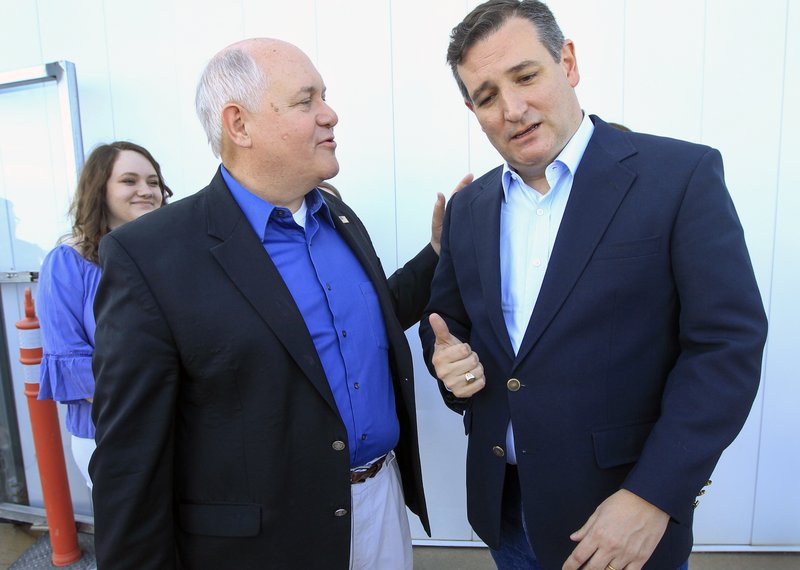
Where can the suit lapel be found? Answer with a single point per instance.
(243, 258)
(485, 223)
(600, 185)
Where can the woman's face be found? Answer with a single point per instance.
(132, 189)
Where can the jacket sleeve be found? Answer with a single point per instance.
(722, 331)
(137, 371)
(445, 300)
(411, 286)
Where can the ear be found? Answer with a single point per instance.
(569, 63)
(469, 105)
(234, 125)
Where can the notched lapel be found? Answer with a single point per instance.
(600, 185)
(485, 235)
(243, 258)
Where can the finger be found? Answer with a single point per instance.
(466, 181)
(438, 212)
(441, 331)
(462, 389)
(581, 533)
(579, 556)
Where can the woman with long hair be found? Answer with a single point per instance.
(119, 182)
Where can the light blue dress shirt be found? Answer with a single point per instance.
(529, 223)
(340, 307)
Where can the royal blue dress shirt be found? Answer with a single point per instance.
(340, 307)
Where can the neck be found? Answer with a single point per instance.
(277, 190)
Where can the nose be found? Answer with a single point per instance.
(143, 189)
(514, 107)
(327, 117)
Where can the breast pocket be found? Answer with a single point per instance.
(628, 249)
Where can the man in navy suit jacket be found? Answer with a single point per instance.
(594, 314)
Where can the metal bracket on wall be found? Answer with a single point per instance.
(19, 277)
(63, 73)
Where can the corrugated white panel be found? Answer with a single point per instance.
(432, 155)
(776, 518)
(355, 60)
(664, 67)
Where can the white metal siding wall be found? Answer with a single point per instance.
(718, 72)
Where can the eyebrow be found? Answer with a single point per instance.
(137, 174)
(511, 71)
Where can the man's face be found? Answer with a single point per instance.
(523, 100)
(292, 132)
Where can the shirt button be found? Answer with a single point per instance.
(338, 445)
(513, 384)
(363, 436)
(340, 512)
(498, 451)
(328, 286)
(356, 386)
(540, 212)
(537, 262)
(344, 333)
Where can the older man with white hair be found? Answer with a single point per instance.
(255, 394)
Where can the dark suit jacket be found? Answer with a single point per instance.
(215, 421)
(643, 354)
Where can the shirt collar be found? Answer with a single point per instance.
(258, 211)
(570, 156)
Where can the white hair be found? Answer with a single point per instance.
(232, 76)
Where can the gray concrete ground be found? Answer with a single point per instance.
(24, 549)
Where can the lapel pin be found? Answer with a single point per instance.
(344, 219)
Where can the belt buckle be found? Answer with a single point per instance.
(361, 475)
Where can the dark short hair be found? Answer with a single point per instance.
(89, 209)
(489, 17)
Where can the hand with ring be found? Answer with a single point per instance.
(457, 366)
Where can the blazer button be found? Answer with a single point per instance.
(338, 445)
(513, 384)
(695, 504)
(340, 512)
(498, 451)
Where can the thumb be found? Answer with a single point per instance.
(441, 331)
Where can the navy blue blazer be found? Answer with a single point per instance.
(643, 354)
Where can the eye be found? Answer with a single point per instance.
(153, 183)
(128, 181)
(527, 78)
(486, 100)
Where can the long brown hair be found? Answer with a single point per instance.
(89, 210)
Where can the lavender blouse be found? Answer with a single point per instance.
(67, 286)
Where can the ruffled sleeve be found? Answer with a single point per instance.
(67, 286)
